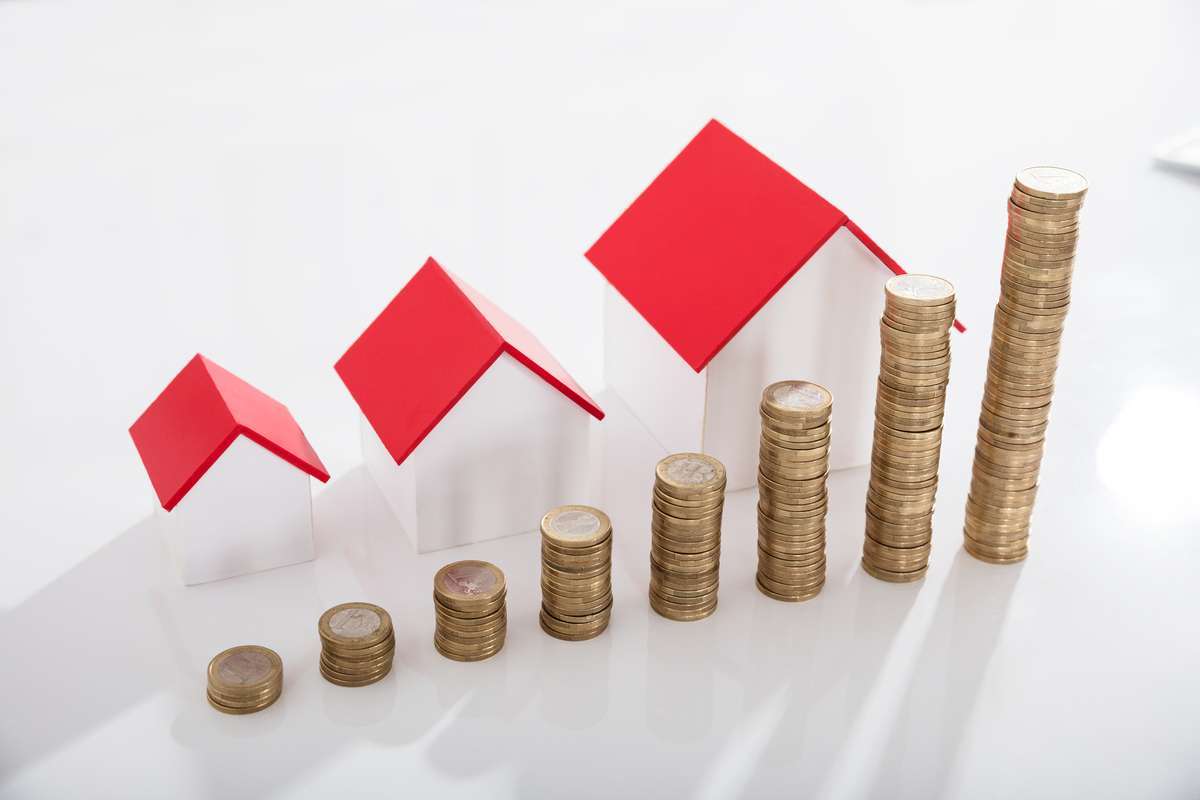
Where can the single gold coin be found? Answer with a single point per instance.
(1051, 183)
(245, 669)
(469, 583)
(785, 399)
(686, 475)
(919, 290)
(354, 625)
(576, 526)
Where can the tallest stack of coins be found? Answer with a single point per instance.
(914, 368)
(1035, 291)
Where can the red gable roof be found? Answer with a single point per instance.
(712, 239)
(202, 410)
(427, 348)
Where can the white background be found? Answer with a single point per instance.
(254, 181)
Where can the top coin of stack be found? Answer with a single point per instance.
(469, 604)
(357, 644)
(244, 679)
(685, 535)
(910, 399)
(1035, 292)
(576, 572)
(793, 463)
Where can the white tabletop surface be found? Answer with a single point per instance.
(255, 180)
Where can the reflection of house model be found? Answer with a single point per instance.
(231, 469)
(471, 428)
(710, 304)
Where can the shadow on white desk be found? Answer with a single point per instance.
(717, 707)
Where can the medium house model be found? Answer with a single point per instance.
(231, 469)
(471, 428)
(706, 303)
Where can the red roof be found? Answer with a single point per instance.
(427, 348)
(712, 239)
(202, 410)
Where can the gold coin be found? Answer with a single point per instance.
(686, 475)
(576, 526)
(1051, 183)
(354, 625)
(467, 585)
(245, 670)
(892, 576)
(228, 709)
(801, 400)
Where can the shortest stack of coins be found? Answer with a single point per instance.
(468, 598)
(576, 572)
(357, 644)
(793, 460)
(910, 400)
(685, 536)
(244, 679)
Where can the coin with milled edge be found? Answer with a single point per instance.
(685, 475)
(1054, 183)
(926, 290)
(244, 679)
(468, 583)
(789, 399)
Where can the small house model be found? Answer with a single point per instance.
(471, 429)
(232, 471)
(706, 303)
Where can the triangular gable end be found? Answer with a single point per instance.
(199, 415)
(440, 335)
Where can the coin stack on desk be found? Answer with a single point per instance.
(244, 679)
(910, 400)
(792, 466)
(685, 536)
(357, 644)
(470, 612)
(576, 572)
(1035, 291)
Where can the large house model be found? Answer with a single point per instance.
(232, 472)
(470, 427)
(706, 303)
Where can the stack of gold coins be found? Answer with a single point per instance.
(685, 536)
(910, 399)
(357, 644)
(244, 679)
(468, 598)
(576, 572)
(1035, 290)
(793, 460)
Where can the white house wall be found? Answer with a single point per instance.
(398, 484)
(510, 450)
(656, 383)
(250, 511)
(823, 326)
